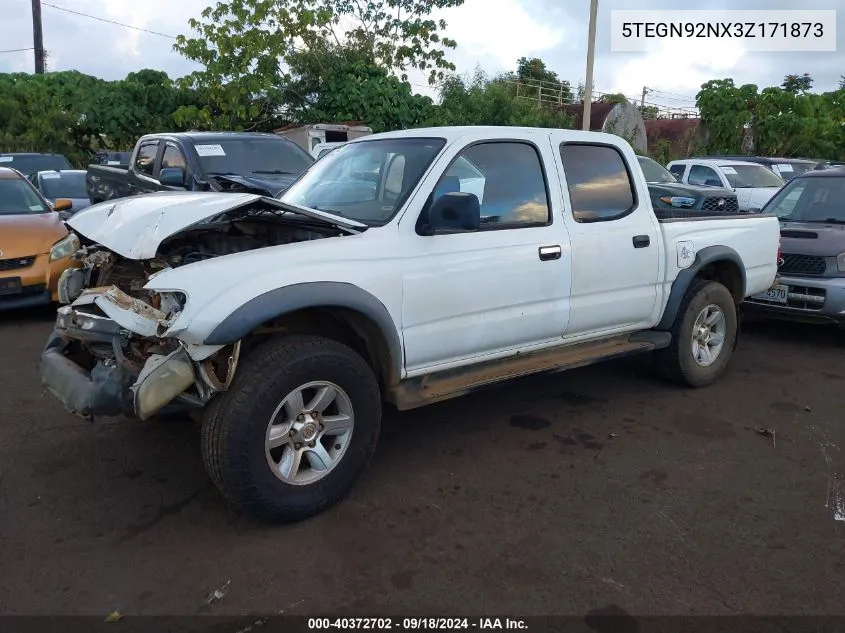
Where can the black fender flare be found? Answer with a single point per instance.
(704, 257)
(318, 294)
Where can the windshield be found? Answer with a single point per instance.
(810, 200)
(788, 171)
(248, 156)
(366, 181)
(654, 171)
(63, 185)
(751, 176)
(30, 163)
(17, 196)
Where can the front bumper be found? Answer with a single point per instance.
(113, 385)
(39, 283)
(809, 300)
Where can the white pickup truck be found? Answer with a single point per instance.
(406, 267)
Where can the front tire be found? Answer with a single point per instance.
(703, 336)
(295, 429)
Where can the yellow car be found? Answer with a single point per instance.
(35, 245)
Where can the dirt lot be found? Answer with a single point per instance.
(554, 495)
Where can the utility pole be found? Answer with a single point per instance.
(37, 37)
(591, 52)
(642, 101)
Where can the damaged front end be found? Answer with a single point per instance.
(110, 352)
(104, 358)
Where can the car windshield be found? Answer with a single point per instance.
(654, 171)
(789, 170)
(810, 200)
(68, 184)
(247, 156)
(17, 197)
(30, 163)
(751, 176)
(367, 181)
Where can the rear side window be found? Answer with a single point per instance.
(678, 171)
(600, 187)
(146, 158)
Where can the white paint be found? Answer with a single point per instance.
(728, 170)
(210, 150)
(686, 254)
(454, 299)
(6, 159)
(135, 226)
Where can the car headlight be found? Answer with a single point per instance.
(840, 263)
(65, 247)
(678, 201)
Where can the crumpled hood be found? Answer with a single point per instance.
(26, 234)
(134, 227)
(812, 238)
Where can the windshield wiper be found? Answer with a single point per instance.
(271, 171)
(826, 221)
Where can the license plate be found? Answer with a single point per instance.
(10, 286)
(776, 294)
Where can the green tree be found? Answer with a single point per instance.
(248, 48)
(727, 110)
(649, 112)
(797, 83)
(535, 68)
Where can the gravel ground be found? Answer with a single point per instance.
(559, 494)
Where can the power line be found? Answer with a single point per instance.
(18, 50)
(94, 17)
(672, 94)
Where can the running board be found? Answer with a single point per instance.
(451, 383)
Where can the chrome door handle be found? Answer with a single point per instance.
(548, 253)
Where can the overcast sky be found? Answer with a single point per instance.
(491, 34)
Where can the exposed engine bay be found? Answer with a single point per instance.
(110, 327)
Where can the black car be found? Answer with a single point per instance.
(668, 193)
(249, 162)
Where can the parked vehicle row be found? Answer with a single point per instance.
(410, 267)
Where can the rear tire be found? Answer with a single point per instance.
(703, 336)
(283, 457)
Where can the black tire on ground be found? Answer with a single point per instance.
(676, 362)
(235, 425)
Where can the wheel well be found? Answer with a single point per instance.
(343, 325)
(726, 273)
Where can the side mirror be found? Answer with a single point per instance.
(172, 177)
(64, 216)
(62, 204)
(454, 212)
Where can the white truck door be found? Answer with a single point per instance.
(503, 287)
(615, 237)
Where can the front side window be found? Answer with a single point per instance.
(367, 181)
(809, 200)
(18, 197)
(600, 188)
(172, 158)
(751, 176)
(508, 180)
(145, 161)
(704, 176)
